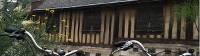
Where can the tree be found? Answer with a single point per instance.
(14, 12)
(189, 9)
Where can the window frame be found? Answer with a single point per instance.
(158, 16)
(91, 17)
(53, 19)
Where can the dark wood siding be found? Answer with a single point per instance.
(92, 21)
(122, 23)
(53, 23)
(149, 18)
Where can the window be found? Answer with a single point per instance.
(52, 23)
(149, 18)
(91, 21)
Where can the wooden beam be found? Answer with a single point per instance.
(195, 31)
(151, 36)
(158, 36)
(73, 26)
(102, 26)
(76, 27)
(63, 27)
(97, 38)
(120, 23)
(92, 38)
(166, 21)
(107, 31)
(67, 26)
(183, 28)
(174, 29)
(88, 38)
(60, 27)
(112, 27)
(80, 27)
(84, 38)
(132, 23)
(126, 23)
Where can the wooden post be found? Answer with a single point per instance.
(60, 27)
(73, 26)
(183, 28)
(88, 38)
(151, 36)
(84, 38)
(64, 28)
(126, 23)
(120, 22)
(107, 32)
(195, 31)
(174, 29)
(166, 20)
(132, 23)
(102, 26)
(112, 27)
(92, 38)
(77, 26)
(80, 27)
(67, 26)
(158, 36)
(97, 38)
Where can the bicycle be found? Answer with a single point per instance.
(19, 34)
(125, 45)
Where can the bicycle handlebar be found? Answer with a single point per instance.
(19, 33)
(129, 44)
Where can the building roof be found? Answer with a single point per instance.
(59, 4)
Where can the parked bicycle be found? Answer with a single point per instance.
(19, 34)
(125, 45)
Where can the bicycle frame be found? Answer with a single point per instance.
(132, 43)
(48, 51)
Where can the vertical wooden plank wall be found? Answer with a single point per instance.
(126, 22)
(63, 27)
(70, 27)
(75, 29)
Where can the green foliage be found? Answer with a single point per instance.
(189, 9)
(14, 14)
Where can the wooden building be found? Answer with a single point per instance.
(100, 23)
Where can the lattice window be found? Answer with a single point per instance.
(91, 21)
(52, 25)
(149, 18)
